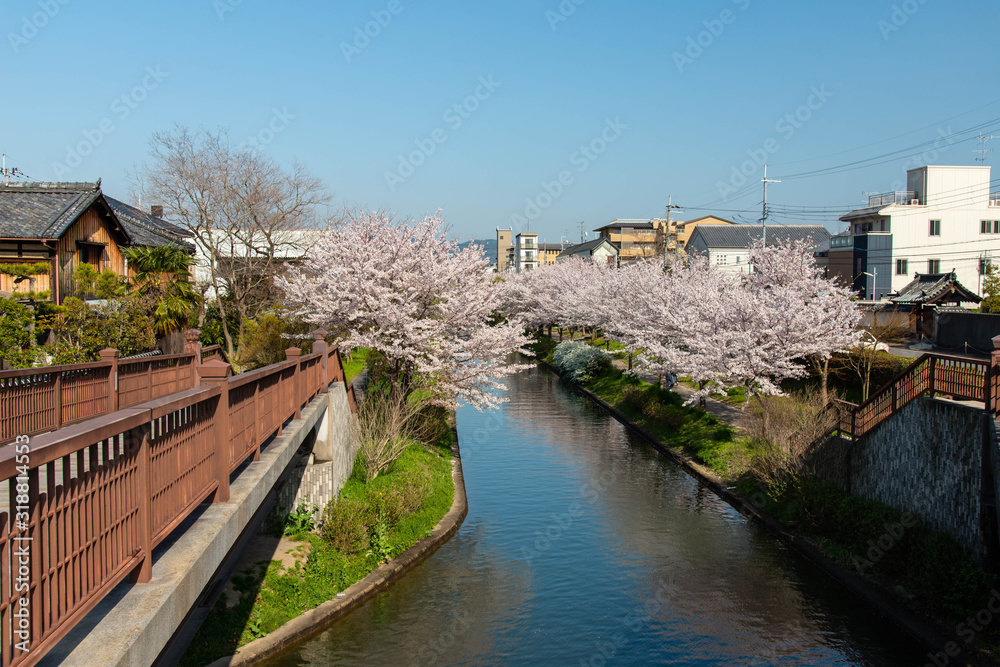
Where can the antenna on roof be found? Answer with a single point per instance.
(983, 150)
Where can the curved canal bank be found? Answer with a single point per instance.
(584, 546)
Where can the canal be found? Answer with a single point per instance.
(584, 546)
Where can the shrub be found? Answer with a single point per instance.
(345, 525)
(580, 361)
(384, 426)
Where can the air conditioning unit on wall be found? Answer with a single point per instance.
(914, 202)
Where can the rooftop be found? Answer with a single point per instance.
(932, 288)
(741, 236)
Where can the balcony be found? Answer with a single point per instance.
(995, 199)
(902, 198)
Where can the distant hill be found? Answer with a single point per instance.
(489, 247)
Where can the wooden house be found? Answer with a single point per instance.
(69, 224)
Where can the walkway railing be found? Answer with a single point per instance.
(90, 501)
(931, 374)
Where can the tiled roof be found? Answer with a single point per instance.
(862, 213)
(933, 287)
(149, 230)
(632, 224)
(43, 210)
(741, 236)
(585, 247)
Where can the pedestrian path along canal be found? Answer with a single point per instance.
(584, 546)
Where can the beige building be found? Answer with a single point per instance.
(635, 239)
(505, 245)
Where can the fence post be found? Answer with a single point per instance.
(193, 346)
(110, 355)
(217, 373)
(319, 345)
(994, 373)
(293, 354)
(143, 572)
(933, 374)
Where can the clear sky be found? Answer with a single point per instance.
(667, 98)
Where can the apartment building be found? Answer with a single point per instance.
(946, 221)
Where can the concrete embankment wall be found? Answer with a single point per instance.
(133, 624)
(926, 460)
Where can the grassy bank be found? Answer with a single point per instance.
(368, 524)
(926, 570)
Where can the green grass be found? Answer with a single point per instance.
(274, 595)
(356, 364)
(688, 429)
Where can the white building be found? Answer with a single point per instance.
(947, 220)
(600, 250)
(728, 246)
(526, 251)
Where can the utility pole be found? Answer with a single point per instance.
(983, 150)
(764, 212)
(9, 172)
(583, 227)
(667, 232)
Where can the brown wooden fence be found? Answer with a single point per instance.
(88, 502)
(931, 374)
(38, 400)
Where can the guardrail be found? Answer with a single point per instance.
(90, 501)
(37, 400)
(932, 374)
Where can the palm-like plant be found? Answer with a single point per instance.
(163, 274)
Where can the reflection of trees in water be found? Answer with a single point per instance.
(730, 576)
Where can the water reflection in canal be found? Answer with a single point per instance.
(583, 546)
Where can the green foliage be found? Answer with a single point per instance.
(541, 346)
(355, 362)
(163, 276)
(25, 270)
(300, 520)
(211, 327)
(991, 290)
(580, 361)
(16, 337)
(84, 330)
(104, 285)
(265, 339)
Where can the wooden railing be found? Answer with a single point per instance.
(88, 503)
(931, 374)
(38, 400)
(213, 353)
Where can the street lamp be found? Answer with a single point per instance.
(874, 280)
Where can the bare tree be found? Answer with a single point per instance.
(249, 216)
(876, 336)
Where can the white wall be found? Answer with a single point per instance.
(959, 198)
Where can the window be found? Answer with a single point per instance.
(901, 267)
(935, 228)
(934, 266)
(989, 226)
(738, 260)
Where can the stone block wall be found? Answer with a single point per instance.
(926, 460)
(320, 475)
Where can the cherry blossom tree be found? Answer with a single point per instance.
(426, 305)
(726, 330)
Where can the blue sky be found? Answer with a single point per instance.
(668, 99)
